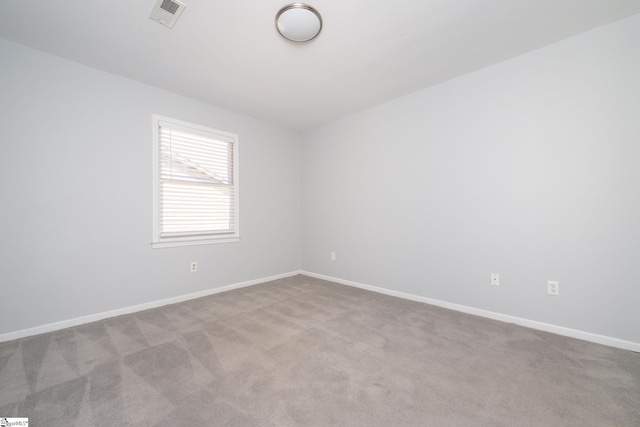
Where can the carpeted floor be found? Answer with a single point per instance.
(305, 352)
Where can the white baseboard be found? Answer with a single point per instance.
(559, 330)
(134, 308)
(573, 333)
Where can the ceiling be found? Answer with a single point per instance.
(229, 54)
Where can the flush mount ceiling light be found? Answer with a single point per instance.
(298, 22)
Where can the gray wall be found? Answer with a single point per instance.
(75, 167)
(529, 168)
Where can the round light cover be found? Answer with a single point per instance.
(298, 22)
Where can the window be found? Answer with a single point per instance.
(195, 180)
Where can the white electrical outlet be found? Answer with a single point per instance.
(194, 267)
(495, 279)
(333, 256)
(553, 288)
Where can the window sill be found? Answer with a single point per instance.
(174, 243)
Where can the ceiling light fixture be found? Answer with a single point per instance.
(298, 22)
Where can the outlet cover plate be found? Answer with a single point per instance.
(553, 287)
(495, 279)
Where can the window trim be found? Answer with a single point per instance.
(163, 242)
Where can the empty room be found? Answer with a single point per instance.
(410, 213)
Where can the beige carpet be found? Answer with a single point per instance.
(304, 352)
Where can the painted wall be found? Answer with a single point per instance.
(75, 194)
(529, 168)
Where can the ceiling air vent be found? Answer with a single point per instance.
(167, 12)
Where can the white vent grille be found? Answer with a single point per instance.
(167, 12)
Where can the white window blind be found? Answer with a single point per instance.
(196, 184)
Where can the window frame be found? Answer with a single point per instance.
(159, 241)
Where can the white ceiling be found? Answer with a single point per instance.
(228, 53)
